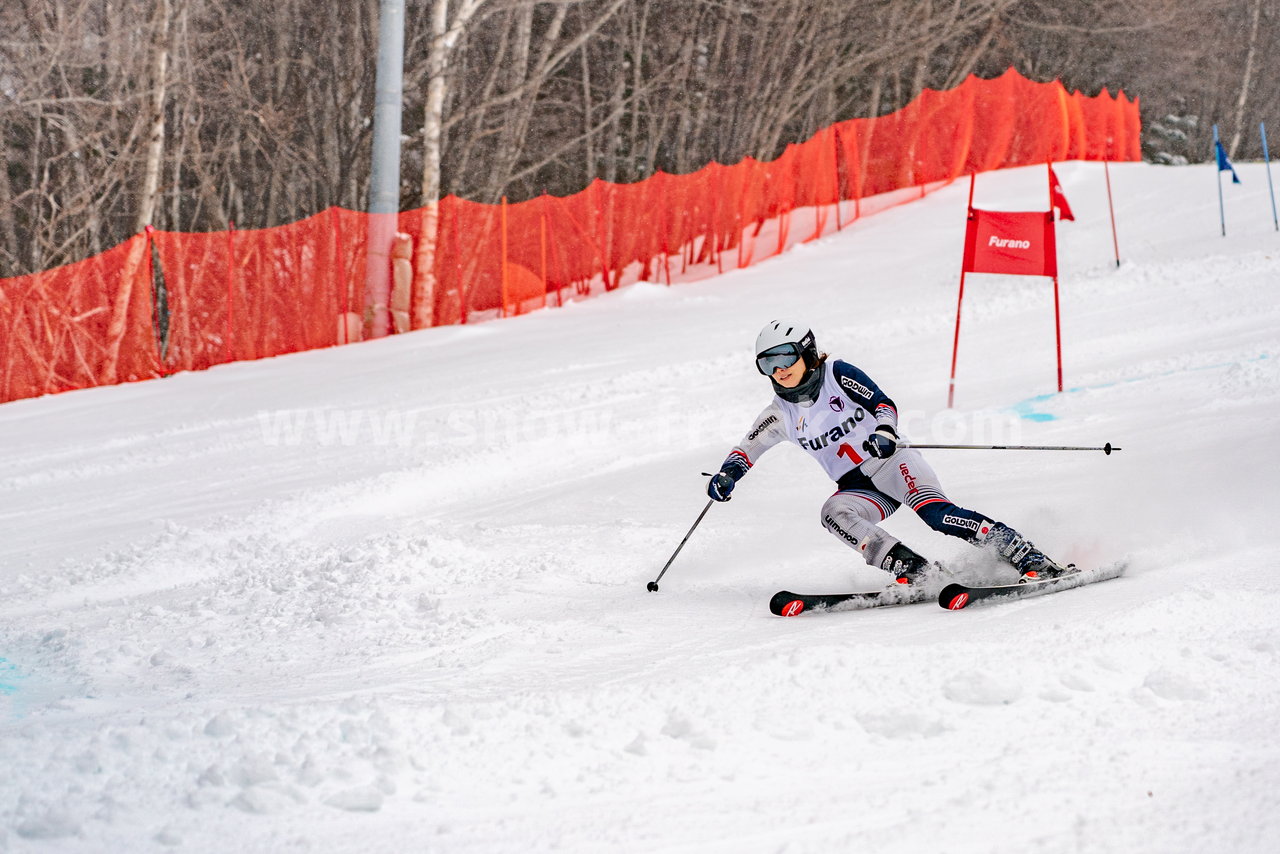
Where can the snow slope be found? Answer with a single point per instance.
(392, 596)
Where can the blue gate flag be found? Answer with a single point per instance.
(1224, 165)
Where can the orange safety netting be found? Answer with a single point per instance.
(250, 294)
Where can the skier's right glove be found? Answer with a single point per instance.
(720, 486)
(731, 470)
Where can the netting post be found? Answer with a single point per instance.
(227, 347)
(717, 197)
(664, 224)
(835, 136)
(857, 185)
(339, 273)
(504, 257)
(464, 293)
(542, 239)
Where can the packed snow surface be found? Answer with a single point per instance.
(391, 597)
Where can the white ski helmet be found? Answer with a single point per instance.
(781, 342)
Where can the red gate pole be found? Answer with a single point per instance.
(955, 346)
(1057, 315)
(1115, 241)
(1057, 328)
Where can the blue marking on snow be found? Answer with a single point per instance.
(9, 676)
(1027, 409)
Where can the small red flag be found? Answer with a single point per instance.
(1059, 197)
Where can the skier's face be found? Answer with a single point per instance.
(789, 377)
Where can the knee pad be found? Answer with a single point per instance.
(867, 506)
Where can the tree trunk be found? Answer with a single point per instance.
(1248, 78)
(432, 123)
(443, 37)
(589, 142)
(155, 131)
(8, 228)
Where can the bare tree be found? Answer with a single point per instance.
(1247, 77)
(444, 31)
(191, 114)
(159, 68)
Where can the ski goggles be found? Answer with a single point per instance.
(781, 356)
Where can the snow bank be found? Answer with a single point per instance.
(391, 597)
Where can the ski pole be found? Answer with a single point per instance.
(653, 585)
(1106, 449)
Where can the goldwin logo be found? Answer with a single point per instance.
(856, 387)
(760, 427)
(835, 528)
(1008, 243)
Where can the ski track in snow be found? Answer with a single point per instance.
(391, 596)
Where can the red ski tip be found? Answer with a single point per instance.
(958, 601)
(793, 608)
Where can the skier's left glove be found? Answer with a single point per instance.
(882, 443)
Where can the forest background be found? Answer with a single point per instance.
(191, 115)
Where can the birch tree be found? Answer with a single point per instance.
(445, 30)
(157, 79)
(1247, 77)
(189, 114)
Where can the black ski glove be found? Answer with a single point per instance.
(731, 471)
(882, 443)
(720, 486)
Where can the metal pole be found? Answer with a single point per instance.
(1271, 193)
(384, 186)
(1106, 449)
(1217, 172)
(652, 586)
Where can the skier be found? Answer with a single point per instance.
(837, 414)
